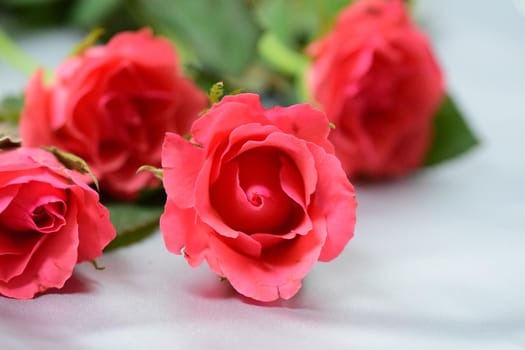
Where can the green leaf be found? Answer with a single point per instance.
(73, 162)
(10, 109)
(11, 54)
(7, 142)
(216, 92)
(298, 22)
(291, 21)
(222, 33)
(287, 61)
(24, 14)
(452, 135)
(157, 172)
(283, 58)
(89, 13)
(133, 222)
(27, 2)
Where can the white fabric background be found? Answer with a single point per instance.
(437, 262)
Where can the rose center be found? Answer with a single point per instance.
(37, 207)
(249, 197)
(49, 217)
(255, 197)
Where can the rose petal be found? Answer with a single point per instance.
(37, 207)
(303, 121)
(182, 163)
(37, 103)
(297, 151)
(49, 217)
(190, 103)
(302, 227)
(335, 198)
(182, 229)
(291, 181)
(203, 205)
(244, 244)
(16, 252)
(141, 47)
(277, 273)
(7, 193)
(212, 169)
(95, 230)
(125, 182)
(223, 117)
(236, 139)
(248, 195)
(247, 275)
(51, 262)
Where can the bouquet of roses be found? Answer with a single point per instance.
(259, 191)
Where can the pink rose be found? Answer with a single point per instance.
(111, 105)
(258, 194)
(50, 220)
(378, 80)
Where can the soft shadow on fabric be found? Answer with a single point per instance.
(76, 284)
(216, 288)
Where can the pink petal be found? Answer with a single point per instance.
(142, 47)
(236, 139)
(20, 215)
(7, 194)
(303, 226)
(248, 195)
(204, 208)
(182, 163)
(233, 111)
(291, 181)
(297, 151)
(182, 229)
(244, 244)
(247, 275)
(95, 230)
(51, 263)
(193, 102)
(17, 251)
(34, 115)
(303, 121)
(276, 274)
(335, 198)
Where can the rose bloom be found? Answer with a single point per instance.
(258, 194)
(378, 81)
(111, 106)
(50, 220)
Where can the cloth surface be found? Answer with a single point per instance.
(437, 261)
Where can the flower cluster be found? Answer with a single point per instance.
(259, 194)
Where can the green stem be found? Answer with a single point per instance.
(15, 57)
(287, 61)
(281, 57)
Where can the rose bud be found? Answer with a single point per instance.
(258, 194)
(378, 81)
(111, 106)
(50, 220)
